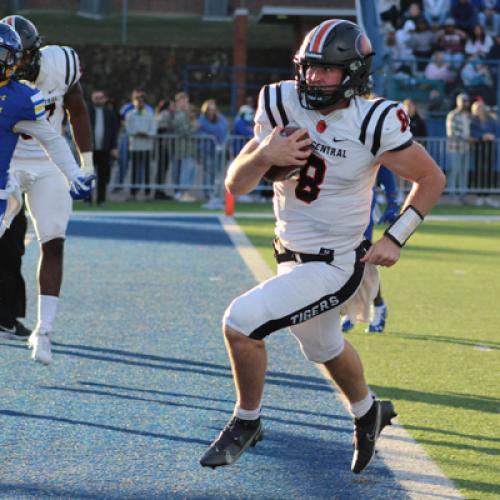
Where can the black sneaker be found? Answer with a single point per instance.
(234, 439)
(17, 331)
(366, 434)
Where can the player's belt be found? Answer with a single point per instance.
(283, 254)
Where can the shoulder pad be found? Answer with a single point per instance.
(373, 122)
(273, 100)
(60, 66)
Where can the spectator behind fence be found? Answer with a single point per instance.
(490, 21)
(183, 126)
(391, 48)
(483, 130)
(403, 40)
(436, 11)
(140, 125)
(452, 40)
(458, 147)
(477, 80)
(164, 124)
(212, 122)
(123, 138)
(465, 15)
(422, 41)
(479, 43)
(243, 127)
(105, 131)
(417, 124)
(439, 69)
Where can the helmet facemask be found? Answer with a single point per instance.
(30, 64)
(344, 46)
(10, 52)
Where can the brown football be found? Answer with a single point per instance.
(276, 173)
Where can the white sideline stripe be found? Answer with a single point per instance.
(250, 255)
(414, 470)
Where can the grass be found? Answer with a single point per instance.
(248, 208)
(438, 360)
(155, 31)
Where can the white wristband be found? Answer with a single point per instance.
(404, 226)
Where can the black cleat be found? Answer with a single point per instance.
(16, 332)
(234, 439)
(365, 436)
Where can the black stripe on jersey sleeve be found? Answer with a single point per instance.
(66, 80)
(366, 121)
(378, 129)
(279, 103)
(75, 67)
(267, 105)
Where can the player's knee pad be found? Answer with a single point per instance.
(321, 338)
(242, 316)
(319, 355)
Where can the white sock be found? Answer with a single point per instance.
(361, 408)
(246, 414)
(47, 307)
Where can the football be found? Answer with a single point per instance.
(275, 173)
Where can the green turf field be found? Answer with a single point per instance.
(439, 357)
(246, 208)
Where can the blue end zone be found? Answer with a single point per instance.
(141, 383)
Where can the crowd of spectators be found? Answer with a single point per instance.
(444, 57)
(451, 46)
(182, 145)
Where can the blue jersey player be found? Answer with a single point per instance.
(22, 111)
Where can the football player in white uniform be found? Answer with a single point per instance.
(55, 70)
(320, 218)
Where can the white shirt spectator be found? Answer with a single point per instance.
(478, 47)
(438, 69)
(403, 37)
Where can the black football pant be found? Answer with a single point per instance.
(12, 286)
(103, 170)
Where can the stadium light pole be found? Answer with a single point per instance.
(124, 21)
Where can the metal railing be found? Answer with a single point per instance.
(194, 166)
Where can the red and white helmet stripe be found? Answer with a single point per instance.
(314, 43)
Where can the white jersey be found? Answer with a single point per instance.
(59, 71)
(328, 205)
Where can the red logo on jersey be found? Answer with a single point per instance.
(321, 126)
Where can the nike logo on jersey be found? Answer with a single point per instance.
(329, 150)
(50, 91)
(338, 140)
